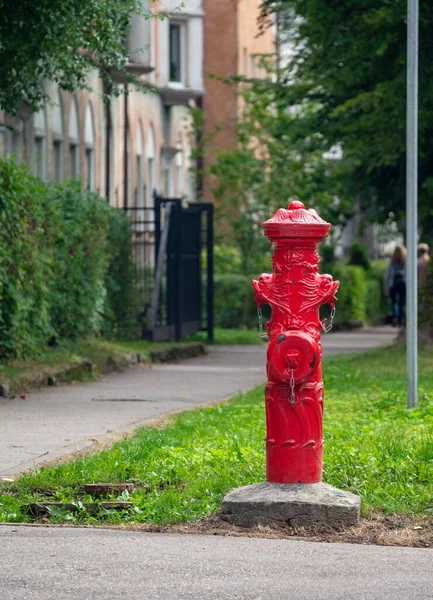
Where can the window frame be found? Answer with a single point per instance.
(182, 63)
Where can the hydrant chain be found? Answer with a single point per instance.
(327, 328)
(292, 388)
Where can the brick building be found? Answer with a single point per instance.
(231, 47)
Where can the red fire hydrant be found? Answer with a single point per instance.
(294, 393)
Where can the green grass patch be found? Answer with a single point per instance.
(375, 447)
(229, 337)
(25, 374)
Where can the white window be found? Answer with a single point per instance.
(139, 167)
(253, 66)
(179, 171)
(150, 155)
(177, 52)
(58, 139)
(89, 140)
(74, 141)
(39, 144)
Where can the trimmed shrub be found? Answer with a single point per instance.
(28, 224)
(65, 263)
(374, 306)
(233, 301)
(81, 261)
(358, 256)
(352, 295)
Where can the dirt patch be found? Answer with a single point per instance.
(379, 529)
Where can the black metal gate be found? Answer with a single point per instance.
(178, 243)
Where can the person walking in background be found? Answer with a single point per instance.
(423, 259)
(395, 284)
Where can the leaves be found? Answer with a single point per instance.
(65, 262)
(60, 40)
(349, 59)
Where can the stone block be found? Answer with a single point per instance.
(4, 390)
(311, 504)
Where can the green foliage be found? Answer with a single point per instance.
(81, 252)
(120, 317)
(273, 163)
(349, 60)
(28, 221)
(426, 298)
(64, 261)
(358, 256)
(327, 257)
(228, 261)
(374, 447)
(60, 41)
(352, 294)
(374, 303)
(234, 304)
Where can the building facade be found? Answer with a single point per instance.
(232, 47)
(128, 146)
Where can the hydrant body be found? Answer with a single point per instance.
(294, 392)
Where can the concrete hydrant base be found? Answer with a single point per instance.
(305, 504)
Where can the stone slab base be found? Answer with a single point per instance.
(306, 504)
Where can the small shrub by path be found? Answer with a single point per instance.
(375, 447)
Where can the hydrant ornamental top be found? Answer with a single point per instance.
(296, 221)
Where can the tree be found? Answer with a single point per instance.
(60, 40)
(349, 59)
(276, 161)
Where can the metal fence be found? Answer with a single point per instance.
(173, 261)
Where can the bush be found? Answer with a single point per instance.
(63, 258)
(228, 261)
(426, 298)
(358, 256)
(233, 301)
(352, 294)
(374, 306)
(81, 261)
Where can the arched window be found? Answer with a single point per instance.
(179, 170)
(39, 144)
(74, 140)
(150, 155)
(89, 140)
(58, 139)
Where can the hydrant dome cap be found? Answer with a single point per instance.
(295, 205)
(296, 220)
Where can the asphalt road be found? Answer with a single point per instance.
(55, 422)
(87, 564)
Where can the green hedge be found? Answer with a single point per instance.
(360, 299)
(352, 294)
(64, 261)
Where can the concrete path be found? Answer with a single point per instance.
(58, 421)
(89, 564)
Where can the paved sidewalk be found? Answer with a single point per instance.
(57, 421)
(89, 564)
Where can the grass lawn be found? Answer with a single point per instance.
(230, 336)
(375, 447)
(23, 374)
